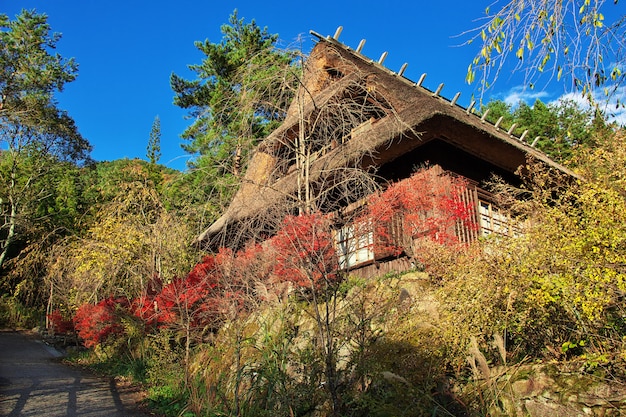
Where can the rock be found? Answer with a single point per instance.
(535, 385)
(547, 391)
(537, 408)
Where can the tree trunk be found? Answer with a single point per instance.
(10, 235)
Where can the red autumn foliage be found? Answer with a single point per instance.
(59, 324)
(143, 307)
(183, 297)
(95, 323)
(427, 204)
(213, 288)
(305, 251)
(248, 266)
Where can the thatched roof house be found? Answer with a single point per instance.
(362, 115)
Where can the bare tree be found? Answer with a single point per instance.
(315, 161)
(304, 174)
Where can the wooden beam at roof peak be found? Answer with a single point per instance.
(382, 58)
(402, 69)
(456, 97)
(436, 93)
(498, 122)
(521, 138)
(317, 35)
(484, 117)
(535, 141)
(470, 107)
(421, 80)
(337, 33)
(511, 128)
(361, 45)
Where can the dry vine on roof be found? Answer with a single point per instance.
(310, 163)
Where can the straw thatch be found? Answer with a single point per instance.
(399, 118)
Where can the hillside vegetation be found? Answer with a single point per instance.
(100, 254)
(276, 329)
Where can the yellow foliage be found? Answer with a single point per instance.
(133, 240)
(564, 279)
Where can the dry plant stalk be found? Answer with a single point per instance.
(478, 362)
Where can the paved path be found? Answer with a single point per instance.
(34, 383)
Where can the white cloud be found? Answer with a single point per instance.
(613, 112)
(522, 94)
(617, 114)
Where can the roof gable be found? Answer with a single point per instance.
(393, 117)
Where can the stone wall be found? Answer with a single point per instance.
(545, 390)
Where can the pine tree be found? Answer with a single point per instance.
(154, 143)
(238, 97)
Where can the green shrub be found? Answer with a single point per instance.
(14, 314)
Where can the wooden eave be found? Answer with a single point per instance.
(433, 115)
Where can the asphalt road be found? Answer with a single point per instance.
(33, 382)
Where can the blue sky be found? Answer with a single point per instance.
(127, 49)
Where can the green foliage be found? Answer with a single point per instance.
(132, 239)
(111, 365)
(165, 374)
(14, 314)
(43, 203)
(107, 180)
(123, 234)
(498, 109)
(29, 72)
(30, 75)
(239, 96)
(556, 129)
(153, 150)
(168, 400)
(39, 144)
(196, 199)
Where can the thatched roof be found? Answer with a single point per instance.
(416, 116)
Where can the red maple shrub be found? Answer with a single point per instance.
(248, 267)
(96, 323)
(58, 324)
(305, 251)
(185, 298)
(213, 288)
(426, 205)
(143, 307)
